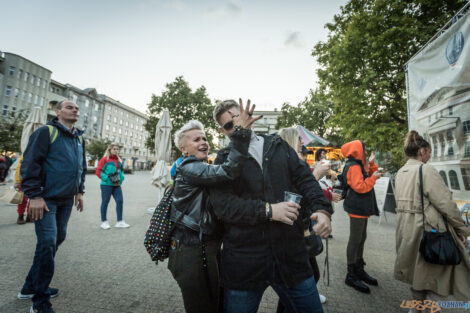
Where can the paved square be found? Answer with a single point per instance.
(109, 271)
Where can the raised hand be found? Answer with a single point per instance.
(245, 119)
(372, 157)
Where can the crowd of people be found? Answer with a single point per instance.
(238, 230)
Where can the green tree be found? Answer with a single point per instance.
(96, 148)
(11, 127)
(183, 105)
(362, 65)
(313, 113)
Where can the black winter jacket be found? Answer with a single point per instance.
(190, 195)
(252, 245)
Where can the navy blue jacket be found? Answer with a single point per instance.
(54, 170)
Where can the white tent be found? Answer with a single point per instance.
(35, 120)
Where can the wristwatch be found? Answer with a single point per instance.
(238, 128)
(269, 211)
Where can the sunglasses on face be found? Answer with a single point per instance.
(229, 125)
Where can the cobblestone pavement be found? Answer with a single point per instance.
(101, 271)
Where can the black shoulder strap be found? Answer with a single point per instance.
(421, 190)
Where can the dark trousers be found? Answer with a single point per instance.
(106, 192)
(185, 264)
(50, 232)
(357, 238)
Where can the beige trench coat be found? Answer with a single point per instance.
(410, 267)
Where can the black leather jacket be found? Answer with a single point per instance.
(192, 178)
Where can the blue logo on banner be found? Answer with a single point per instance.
(454, 48)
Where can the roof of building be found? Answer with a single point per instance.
(21, 57)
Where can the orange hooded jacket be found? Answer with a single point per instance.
(356, 181)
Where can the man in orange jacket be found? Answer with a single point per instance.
(359, 177)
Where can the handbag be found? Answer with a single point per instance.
(158, 236)
(114, 177)
(12, 196)
(314, 244)
(436, 247)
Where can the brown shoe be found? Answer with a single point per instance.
(29, 219)
(20, 220)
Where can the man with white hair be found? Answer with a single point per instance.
(263, 242)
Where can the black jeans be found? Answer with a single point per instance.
(357, 238)
(186, 266)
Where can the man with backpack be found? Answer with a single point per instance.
(52, 177)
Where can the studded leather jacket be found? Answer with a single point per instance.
(191, 194)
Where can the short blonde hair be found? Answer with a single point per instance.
(180, 134)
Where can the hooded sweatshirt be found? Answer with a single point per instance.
(360, 180)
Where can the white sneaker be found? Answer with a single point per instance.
(122, 224)
(105, 225)
(322, 299)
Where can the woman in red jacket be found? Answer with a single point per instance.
(110, 172)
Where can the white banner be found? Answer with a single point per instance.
(438, 74)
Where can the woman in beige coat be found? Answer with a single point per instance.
(428, 281)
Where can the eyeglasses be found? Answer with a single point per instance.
(229, 125)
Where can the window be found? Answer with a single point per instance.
(132, 126)
(87, 103)
(434, 139)
(33, 79)
(115, 119)
(26, 76)
(444, 177)
(449, 136)
(441, 138)
(454, 181)
(443, 149)
(11, 71)
(17, 92)
(466, 177)
(107, 127)
(109, 117)
(36, 97)
(450, 151)
(97, 106)
(43, 100)
(20, 73)
(30, 97)
(23, 95)
(451, 110)
(467, 150)
(120, 122)
(38, 82)
(114, 130)
(44, 83)
(122, 112)
(127, 123)
(466, 127)
(7, 91)
(120, 131)
(5, 110)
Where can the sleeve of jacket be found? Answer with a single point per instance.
(81, 188)
(99, 168)
(441, 198)
(313, 197)
(33, 161)
(231, 208)
(357, 182)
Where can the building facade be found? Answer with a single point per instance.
(125, 126)
(23, 84)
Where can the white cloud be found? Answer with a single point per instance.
(231, 8)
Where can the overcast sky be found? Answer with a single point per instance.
(130, 49)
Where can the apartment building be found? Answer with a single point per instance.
(23, 84)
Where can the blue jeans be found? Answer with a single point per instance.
(106, 192)
(302, 298)
(50, 232)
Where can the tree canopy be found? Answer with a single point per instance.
(362, 66)
(11, 127)
(183, 105)
(97, 148)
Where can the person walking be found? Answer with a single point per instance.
(359, 177)
(110, 172)
(428, 281)
(53, 175)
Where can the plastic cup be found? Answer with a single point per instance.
(337, 190)
(292, 197)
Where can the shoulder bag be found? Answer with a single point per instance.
(436, 247)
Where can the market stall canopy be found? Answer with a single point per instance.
(35, 120)
(308, 137)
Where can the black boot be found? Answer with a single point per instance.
(362, 274)
(353, 280)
